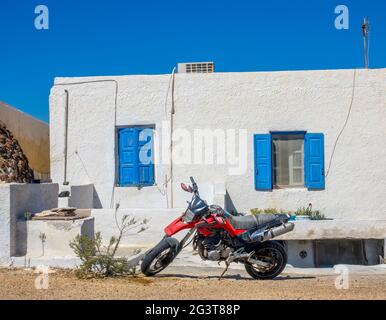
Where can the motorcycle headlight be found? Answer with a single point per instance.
(188, 216)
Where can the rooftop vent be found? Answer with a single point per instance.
(196, 67)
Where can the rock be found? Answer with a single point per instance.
(14, 165)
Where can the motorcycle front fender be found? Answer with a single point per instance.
(176, 226)
(172, 242)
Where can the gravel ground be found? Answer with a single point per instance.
(187, 283)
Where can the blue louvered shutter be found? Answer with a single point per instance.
(263, 161)
(128, 156)
(145, 152)
(314, 160)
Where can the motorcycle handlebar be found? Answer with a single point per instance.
(194, 184)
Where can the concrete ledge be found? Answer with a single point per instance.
(15, 201)
(337, 229)
(52, 238)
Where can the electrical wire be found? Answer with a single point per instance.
(115, 112)
(171, 82)
(345, 123)
(164, 191)
(168, 90)
(172, 112)
(368, 49)
(83, 165)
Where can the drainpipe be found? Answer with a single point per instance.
(65, 182)
(173, 111)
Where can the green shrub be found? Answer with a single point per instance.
(308, 211)
(271, 211)
(303, 211)
(28, 216)
(256, 211)
(101, 261)
(268, 211)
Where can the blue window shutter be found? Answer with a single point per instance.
(314, 160)
(128, 156)
(263, 161)
(145, 152)
(136, 167)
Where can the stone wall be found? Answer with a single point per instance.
(33, 137)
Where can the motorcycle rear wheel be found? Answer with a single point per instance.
(271, 252)
(159, 257)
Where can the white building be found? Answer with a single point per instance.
(280, 140)
(297, 110)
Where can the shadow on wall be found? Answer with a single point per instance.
(20, 247)
(97, 204)
(84, 197)
(229, 205)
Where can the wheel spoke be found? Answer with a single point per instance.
(271, 256)
(157, 263)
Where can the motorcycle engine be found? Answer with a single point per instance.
(213, 248)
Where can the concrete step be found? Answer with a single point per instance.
(64, 202)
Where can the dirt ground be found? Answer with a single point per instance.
(20, 284)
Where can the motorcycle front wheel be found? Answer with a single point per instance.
(270, 252)
(159, 257)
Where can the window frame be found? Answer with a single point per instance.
(117, 156)
(314, 161)
(283, 133)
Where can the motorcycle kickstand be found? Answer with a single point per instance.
(225, 270)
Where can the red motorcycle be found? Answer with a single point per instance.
(220, 236)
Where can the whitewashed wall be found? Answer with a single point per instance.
(315, 101)
(15, 201)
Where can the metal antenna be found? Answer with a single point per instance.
(365, 34)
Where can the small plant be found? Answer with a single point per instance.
(303, 211)
(101, 261)
(308, 211)
(28, 216)
(267, 211)
(271, 211)
(256, 211)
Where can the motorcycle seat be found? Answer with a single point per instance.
(252, 221)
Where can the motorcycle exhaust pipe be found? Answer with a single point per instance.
(271, 233)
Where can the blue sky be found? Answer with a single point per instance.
(119, 37)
